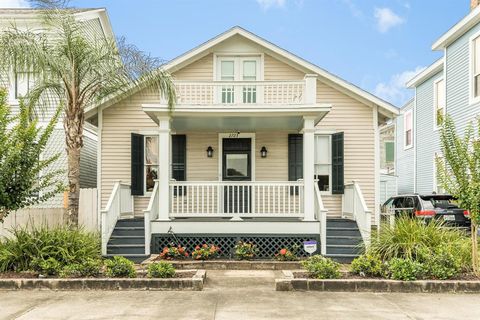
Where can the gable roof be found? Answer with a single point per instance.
(346, 87)
(426, 74)
(458, 30)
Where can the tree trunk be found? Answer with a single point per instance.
(73, 126)
(474, 230)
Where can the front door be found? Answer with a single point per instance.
(237, 166)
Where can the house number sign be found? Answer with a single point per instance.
(233, 135)
(310, 246)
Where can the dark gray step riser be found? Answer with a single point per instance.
(136, 240)
(345, 250)
(343, 233)
(343, 259)
(128, 232)
(127, 223)
(125, 250)
(338, 224)
(344, 241)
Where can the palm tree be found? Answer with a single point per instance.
(75, 71)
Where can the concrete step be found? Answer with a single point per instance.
(241, 279)
(128, 231)
(340, 231)
(119, 240)
(126, 249)
(343, 249)
(137, 258)
(337, 240)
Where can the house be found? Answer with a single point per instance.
(18, 82)
(448, 86)
(261, 146)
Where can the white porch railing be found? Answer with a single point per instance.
(150, 214)
(119, 204)
(236, 199)
(355, 207)
(240, 92)
(321, 213)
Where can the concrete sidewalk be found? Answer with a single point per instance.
(235, 295)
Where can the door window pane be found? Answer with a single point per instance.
(237, 165)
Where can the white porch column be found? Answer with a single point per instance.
(164, 168)
(310, 88)
(308, 167)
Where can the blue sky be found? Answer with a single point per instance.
(375, 44)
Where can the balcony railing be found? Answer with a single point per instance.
(241, 199)
(246, 92)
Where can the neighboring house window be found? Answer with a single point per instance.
(439, 102)
(389, 151)
(151, 162)
(323, 162)
(24, 82)
(475, 52)
(408, 129)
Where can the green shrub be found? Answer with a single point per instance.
(368, 265)
(411, 237)
(120, 267)
(160, 270)
(442, 263)
(47, 267)
(245, 250)
(60, 243)
(321, 267)
(88, 268)
(405, 269)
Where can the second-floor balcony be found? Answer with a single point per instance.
(210, 93)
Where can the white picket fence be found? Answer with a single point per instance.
(32, 217)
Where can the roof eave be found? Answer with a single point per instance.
(426, 74)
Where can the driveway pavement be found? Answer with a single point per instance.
(237, 296)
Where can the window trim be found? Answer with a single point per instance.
(385, 147)
(330, 165)
(405, 146)
(145, 165)
(471, 66)
(435, 101)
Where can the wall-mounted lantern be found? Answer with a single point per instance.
(209, 151)
(263, 152)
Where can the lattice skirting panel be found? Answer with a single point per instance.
(268, 245)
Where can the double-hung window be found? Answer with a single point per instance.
(439, 102)
(323, 162)
(151, 162)
(475, 68)
(408, 129)
(238, 72)
(389, 151)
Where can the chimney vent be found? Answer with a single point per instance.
(474, 4)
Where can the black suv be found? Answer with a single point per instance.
(438, 206)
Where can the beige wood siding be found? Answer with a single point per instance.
(277, 70)
(199, 166)
(275, 166)
(119, 121)
(200, 70)
(356, 121)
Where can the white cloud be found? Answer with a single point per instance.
(267, 4)
(14, 4)
(354, 10)
(387, 19)
(395, 91)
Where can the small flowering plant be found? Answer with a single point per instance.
(205, 252)
(173, 252)
(286, 255)
(245, 250)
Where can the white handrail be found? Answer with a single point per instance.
(120, 202)
(321, 212)
(354, 204)
(150, 214)
(234, 199)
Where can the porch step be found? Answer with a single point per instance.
(128, 231)
(126, 249)
(128, 239)
(344, 240)
(136, 222)
(115, 240)
(137, 258)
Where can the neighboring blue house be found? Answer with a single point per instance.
(451, 86)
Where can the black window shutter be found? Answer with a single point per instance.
(295, 159)
(179, 160)
(337, 163)
(137, 174)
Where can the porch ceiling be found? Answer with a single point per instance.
(237, 118)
